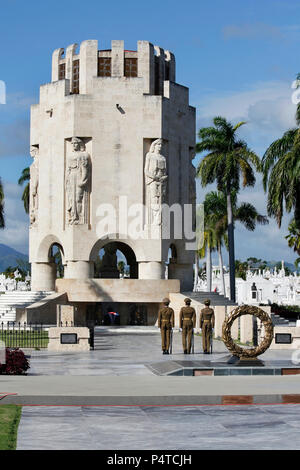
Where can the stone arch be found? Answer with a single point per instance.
(44, 268)
(115, 245)
(44, 250)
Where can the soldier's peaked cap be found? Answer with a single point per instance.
(206, 302)
(187, 300)
(166, 300)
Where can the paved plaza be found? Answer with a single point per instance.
(126, 351)
(134, 428)
(118, 351)
(122, 357)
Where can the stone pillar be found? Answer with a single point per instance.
(65, 315)
(160, 53)
(172, 66)
(246, 328)
(79, 269)
(150, 270)
(220, 311)
(43, 276)
(117, 58)
(70, 52)
(88, 65)
(146, 65)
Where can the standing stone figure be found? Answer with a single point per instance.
(155, 179)
(207, 323)
(109, 264)
(77, 183)
(34, 186)
(187, 321)
(165, 323)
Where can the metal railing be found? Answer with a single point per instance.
(24, 335)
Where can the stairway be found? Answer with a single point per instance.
(10, 301)
(277, 320)
(214, 297)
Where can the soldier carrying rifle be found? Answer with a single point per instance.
(165, 323)
(207, 324)
(187, 321)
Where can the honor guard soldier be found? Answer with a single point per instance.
(207, 323)
(187, 321)
(165, 323)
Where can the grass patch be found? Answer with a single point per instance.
(24, 339)
(9, 421)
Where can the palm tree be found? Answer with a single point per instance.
(281, 173)
(228, 158)
(25, 177)
(293, 239)
(209, 245)
(214, 209)
(2, 221)
(215, 205)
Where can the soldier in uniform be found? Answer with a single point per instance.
(187, 321)
(165, 323)
(207, 323)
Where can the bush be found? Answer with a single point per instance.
(16, 362)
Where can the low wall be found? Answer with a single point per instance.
(43, 311)
(117, 290)
(294, 331)
(83, 335)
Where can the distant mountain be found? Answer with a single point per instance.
(291, 266)
(9, 257)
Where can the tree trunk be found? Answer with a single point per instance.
(231, 247)
(208, 268)
(196, 271)
(221, 269)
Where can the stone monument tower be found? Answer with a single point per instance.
(112, 131)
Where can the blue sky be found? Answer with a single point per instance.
(238, 58)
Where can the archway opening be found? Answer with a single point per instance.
(56, 256)
(171, 261)
(116, 260)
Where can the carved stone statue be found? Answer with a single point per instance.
(34, 186)
(155, 180)
(109, 268)
(77, 184)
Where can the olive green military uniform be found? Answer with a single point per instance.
(187, 321)
(207, 322)
(165, 323)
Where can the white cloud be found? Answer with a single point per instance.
(252, 31)
(16, 232)
(261, 31)
(266, 106)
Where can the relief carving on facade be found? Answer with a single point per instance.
(77, 184)
(156, 181)
(34, 186)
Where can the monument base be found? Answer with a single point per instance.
(245, 361)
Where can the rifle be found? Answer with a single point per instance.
(171, 341)
(211, 341)
(193, 350)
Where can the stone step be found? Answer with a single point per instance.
(10, 301)
(214, 297)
